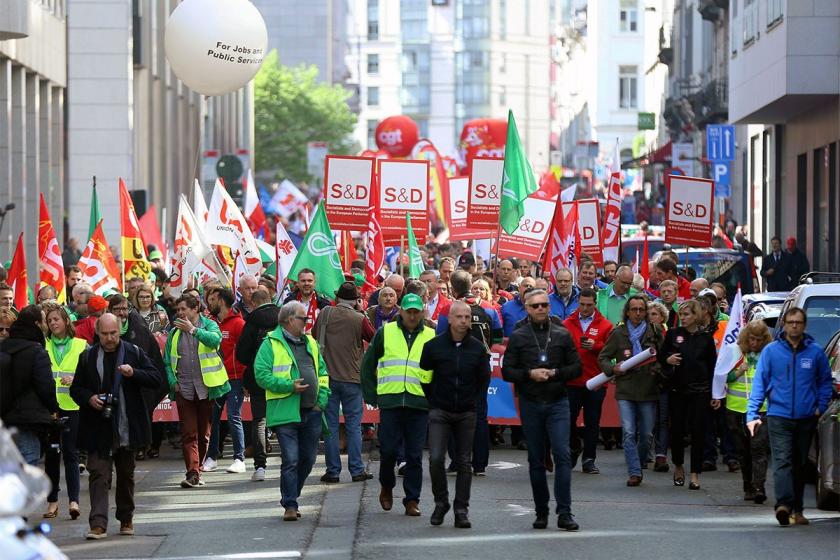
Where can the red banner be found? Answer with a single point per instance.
(589, 226)
(484, 192)
(611, 233)
(403, 189)
(348, 184)
(690, 214)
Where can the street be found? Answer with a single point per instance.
(234, 518)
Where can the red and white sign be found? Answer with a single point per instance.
(612, 219)
(528, 240)
(690, 214)
(457, 216)
(589, 226)
(485, 192)
(347, 188)
(403, 189)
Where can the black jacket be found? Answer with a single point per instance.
(31, 399)
(522, 355)
(460, 373)
(260, 322)
(779, 281)
(322, 301)
(697, 368)
(799, 265)
(139, 334)
(97, 433)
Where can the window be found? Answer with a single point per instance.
(627, 83)
(371, 132)
(733, 27)
(503, 97)
(775, 11)
(475, 27)
(372, 96)
(414, 20)
(415, 61)
(472, 60)
(629, 16)
(473, 93)
(373, 64)
(414, 96)
(749, 21)
(373, 19)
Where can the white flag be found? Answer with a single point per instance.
(190, 248)
(227, 226)
(288, 199)
(199, 205)
(252, 199)
(286, 253)
(730, 355)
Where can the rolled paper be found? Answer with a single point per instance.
(644, 357)
(597, 381)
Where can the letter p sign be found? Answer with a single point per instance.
(721, 175)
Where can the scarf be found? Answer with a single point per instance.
(59, 347)
(380, 318)
(636, 334)
(311, 310)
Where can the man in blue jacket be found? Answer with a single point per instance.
(794, 376)
(564, 300)
(514, 311)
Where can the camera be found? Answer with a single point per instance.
(109, 402)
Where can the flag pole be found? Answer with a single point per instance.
(495, 261)
(402, 240)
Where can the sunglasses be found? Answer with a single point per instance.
(541, 305)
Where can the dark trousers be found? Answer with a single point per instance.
(460, 427)
(195, 417)
(258, 443)
(590, 402)
(752, 451)
(409, 426)
(542, 422)
(789, 444)
(481, 439)
(63, 446)
(716, 428)
(101, 471)
(688, 412)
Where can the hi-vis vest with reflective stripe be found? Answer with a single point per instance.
(398, 370)
(283, 361)
(67, 366)
(213, 372)
(738, 392)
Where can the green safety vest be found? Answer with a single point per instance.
(398, 370)
(283, 362)
(738, 391)
(67, 366)
(213, 372)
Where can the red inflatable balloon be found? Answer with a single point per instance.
(483, 138)
(397, 135)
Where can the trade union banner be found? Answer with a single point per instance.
(403, 189)
(347, 191)
(484, 193)
(688, 220)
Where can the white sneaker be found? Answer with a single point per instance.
(209, 465)
(238, 466)
(259, 475)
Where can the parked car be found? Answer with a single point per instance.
(730, 267)
(825, 451)
(819, 296)
(765, 306)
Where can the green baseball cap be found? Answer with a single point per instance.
(155, 255)
(412, 301)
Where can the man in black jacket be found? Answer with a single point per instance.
(460, 368)
(539, 359)
(28, 388)
(305, 293)
(261, 321)
(775, 268)
(113, 420)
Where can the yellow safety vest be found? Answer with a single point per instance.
(738, 392)
(213, 372)
(283, 362)
(67, 366)
(398, 370)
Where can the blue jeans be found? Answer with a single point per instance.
(407, 425)
(233, 400)
(662, 428)
(29, 444)
(298, 449)
(551, 420)
(790, 441)
(349, 397)
(637, 416)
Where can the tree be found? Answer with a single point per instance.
(292, 108)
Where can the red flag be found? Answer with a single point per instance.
(99, 269)
(375, 243)
(150, 228)
(50, 263)
(135, 263)
(644, 267)
(347, 250)
(611, 230)
(253, 209)
(17, 275)
(549, 186)
(563, 241)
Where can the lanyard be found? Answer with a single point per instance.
(543, 352)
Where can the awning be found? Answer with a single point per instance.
(659, 155)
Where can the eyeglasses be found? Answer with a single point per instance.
(541, 305)
(789, 322)
(300, 317)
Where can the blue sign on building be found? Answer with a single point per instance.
(720, 142)
(721, 172)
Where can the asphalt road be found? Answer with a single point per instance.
(234, 518)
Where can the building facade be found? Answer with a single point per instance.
(33, 78)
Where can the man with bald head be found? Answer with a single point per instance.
(395, 282)
(113, 420)
(611, 300)
(247, 286)
(505, 275)
(697, 286)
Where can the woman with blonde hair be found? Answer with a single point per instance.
(481, 290)
(752, 451)
(143, 300)
(657, 314)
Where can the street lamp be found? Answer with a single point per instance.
(3, 212)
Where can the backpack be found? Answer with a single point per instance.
(481, 327)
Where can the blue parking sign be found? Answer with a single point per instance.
(720, 142)
(721, 172)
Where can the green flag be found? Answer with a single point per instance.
(319, 254)
(95, 214)
(518, 181)
(415, 259)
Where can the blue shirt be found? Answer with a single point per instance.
(512, 312)
(561, 308)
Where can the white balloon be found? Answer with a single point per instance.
(215, 46)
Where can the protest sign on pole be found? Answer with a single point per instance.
(457, 213)
(403, 189)
(484, 193)
(690, 211)
(347, 188)
(589, 226)
(528, 239)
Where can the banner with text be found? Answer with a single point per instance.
(457, 216)
(528, 240)
(403, 189)
(690, 211)
(589, 226)
(611, 233)
(347, 187)
(484, 192)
